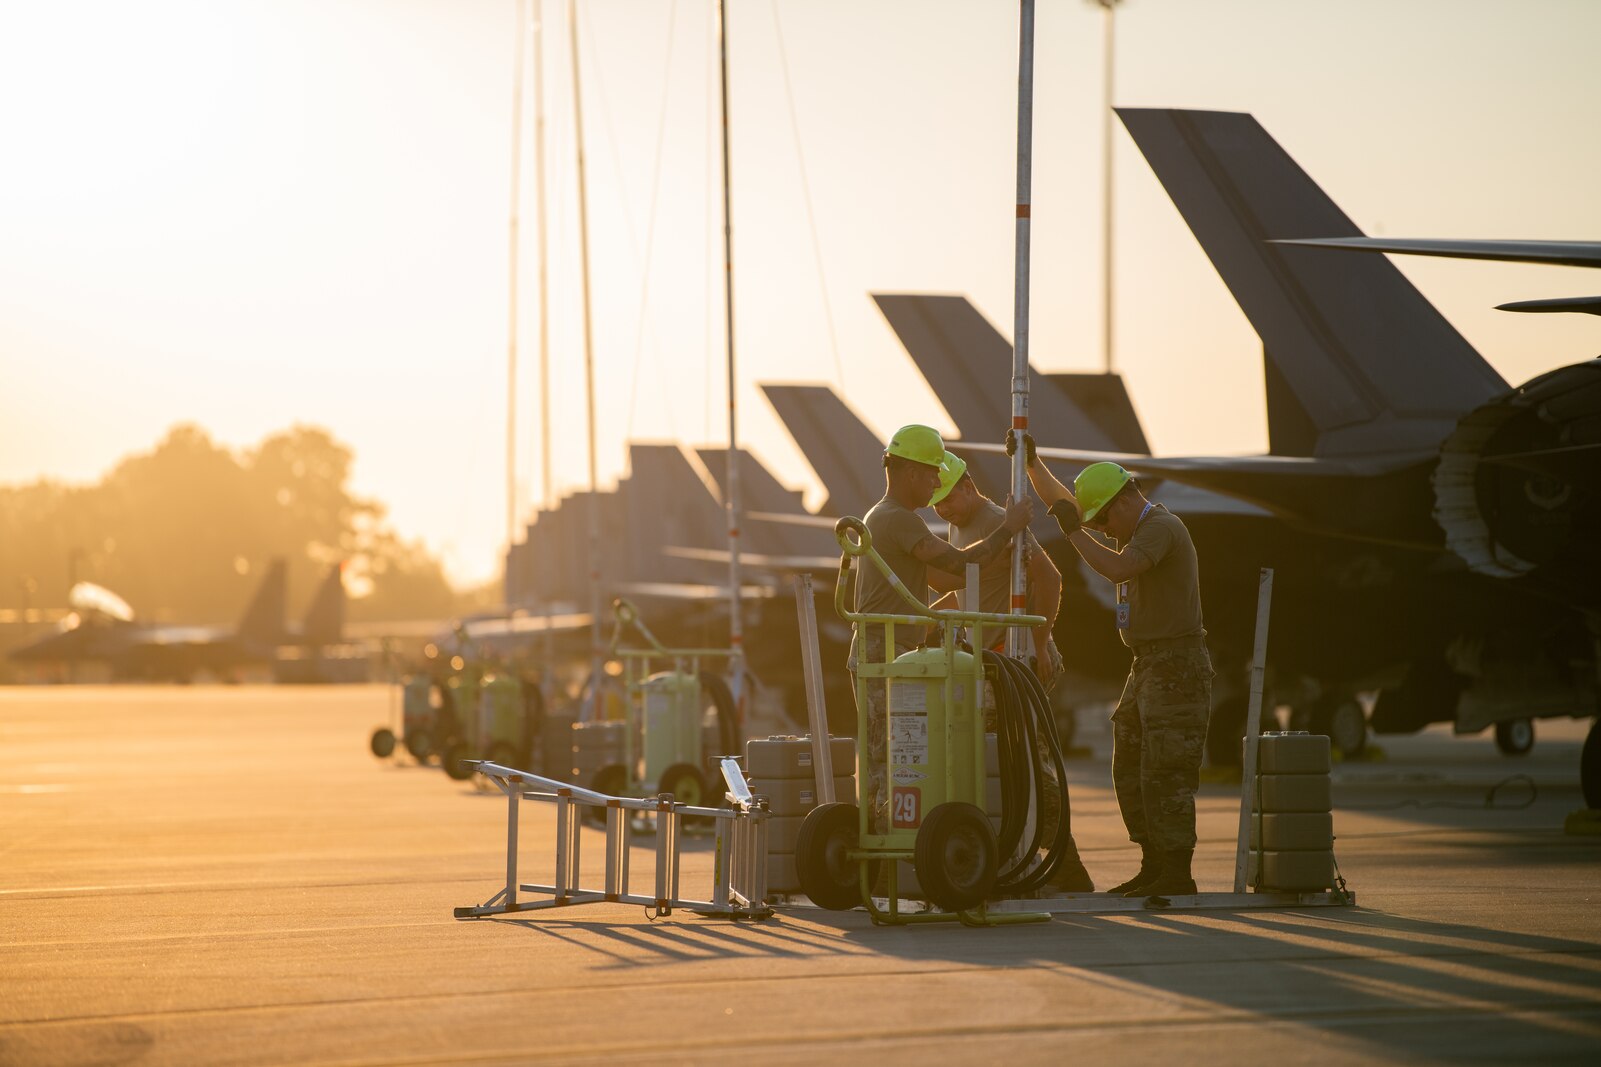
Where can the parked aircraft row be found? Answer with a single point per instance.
(1427, 522)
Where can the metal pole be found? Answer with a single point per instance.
(1106, 184)
(736, 626)
(1253, 719)
(1025, 165)
(546, 677)
(812, 674)
(511, 329)
(595, 648)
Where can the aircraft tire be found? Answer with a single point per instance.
(1590, 767)
(1342, 721)
(1514, 737)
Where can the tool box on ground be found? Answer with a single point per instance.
(1292, 822)
(781, 769)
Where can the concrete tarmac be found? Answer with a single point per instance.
(226, 876)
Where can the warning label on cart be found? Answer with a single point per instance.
(907, 698)
(908, 739)
(906, 776)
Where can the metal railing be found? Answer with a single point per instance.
(739, 873)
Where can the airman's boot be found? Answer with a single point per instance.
(1173, 881)
(1150, 867)
(1070, 875)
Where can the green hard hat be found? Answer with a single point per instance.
(951, 469)
(920, 444)
(1096, 485)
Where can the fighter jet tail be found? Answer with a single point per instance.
(1357, 361)
(324, 623)
(263, 620)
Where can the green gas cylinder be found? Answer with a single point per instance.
(934, 751)
(671, 723)
(416, 705)
(463, 690)
(500, 711)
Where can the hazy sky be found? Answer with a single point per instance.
(251, 213)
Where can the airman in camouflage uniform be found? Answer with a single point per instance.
(1159, 726)
(903, 540)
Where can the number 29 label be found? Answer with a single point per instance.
(906, 810)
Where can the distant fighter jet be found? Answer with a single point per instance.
(102, 628)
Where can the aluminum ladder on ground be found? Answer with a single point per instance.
(739, 878)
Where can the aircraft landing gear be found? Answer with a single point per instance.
(1515, 737)
(1340, 717)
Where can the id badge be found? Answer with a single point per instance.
(1122, 615)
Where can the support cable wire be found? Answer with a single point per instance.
(806, 194)
(650, 225)
(629, 226)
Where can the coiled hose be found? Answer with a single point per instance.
(1028, 744)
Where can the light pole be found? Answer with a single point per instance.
(1107, 55)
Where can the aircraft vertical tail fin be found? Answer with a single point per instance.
(1357, 360)
(324, 623)
(838, 445)
(263, 620)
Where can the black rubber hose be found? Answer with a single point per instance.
(1026, 731)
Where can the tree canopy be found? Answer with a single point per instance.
(186, 530)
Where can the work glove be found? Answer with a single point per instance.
(1066, 515)
(1028, 446)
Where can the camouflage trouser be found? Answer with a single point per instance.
(868, 647)
(1158, 733)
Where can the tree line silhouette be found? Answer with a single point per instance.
(185, 532)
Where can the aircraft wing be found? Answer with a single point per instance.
(1558, 253)
(1321, 491)
(756, 559)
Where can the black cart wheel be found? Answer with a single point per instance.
(1590, 767)
(956, 856)
(1514, 737)
(420, 743)
(826, 875)
(507, 755)
(684, 783)
(1343, 722)
(612, 780)
(383, 742)
(453, 759)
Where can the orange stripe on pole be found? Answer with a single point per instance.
(1019, 601)
(1019, 422)
(1022, 211)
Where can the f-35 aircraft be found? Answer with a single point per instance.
(1438, 526)
(102, 629)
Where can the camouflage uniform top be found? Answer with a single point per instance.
(1165, 599)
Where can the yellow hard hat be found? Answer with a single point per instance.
(1096, 485)
(951, 469)
(920, 444)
